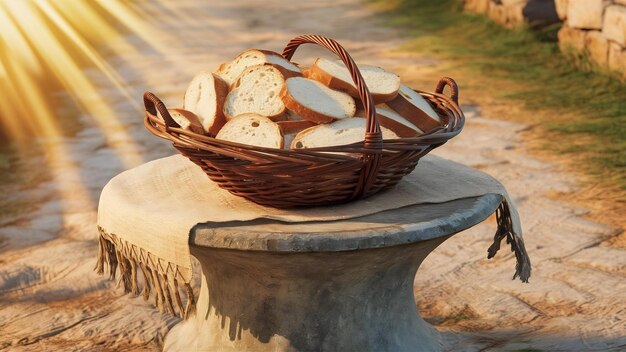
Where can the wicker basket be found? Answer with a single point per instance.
(316, 176)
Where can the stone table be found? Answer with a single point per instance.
(321, 286)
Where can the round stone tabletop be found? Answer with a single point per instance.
(388, 228)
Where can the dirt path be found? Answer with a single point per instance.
(50, 299)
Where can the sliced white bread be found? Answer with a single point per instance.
(205, 98)
(315, 102)
(415, 108)
(231, 70)
(398, 124)
(340, 132)
(187, 120)
(252, 129)
(257, 90)
(383, 85)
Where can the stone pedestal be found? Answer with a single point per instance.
(331, 286)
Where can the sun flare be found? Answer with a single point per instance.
(45, 48)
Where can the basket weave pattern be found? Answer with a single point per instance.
(316, 176)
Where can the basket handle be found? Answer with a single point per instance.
(154, 104)
(373, 135)
(447, 81)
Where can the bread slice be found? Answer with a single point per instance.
(292, 116)
(205, 98)
(252, 57)
(294, 126)
(398, 124)
(315, 102)
(383, 85)
(415, 108)
(341, 132)
(257, 90)
(252, 129)
(305, 70)
(187, 120)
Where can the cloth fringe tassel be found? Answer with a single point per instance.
(505, 230)
(167, 291)
(163, 286)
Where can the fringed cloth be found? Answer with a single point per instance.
(145, 216)
(161, 280)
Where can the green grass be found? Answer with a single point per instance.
(583, 103)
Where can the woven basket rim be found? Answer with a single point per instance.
(158, 127)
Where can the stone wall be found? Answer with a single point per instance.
(592, 28)
(596, 29)
(511, 13)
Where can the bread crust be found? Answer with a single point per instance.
(264, 51)
(396, 127)
(301, 135)
(305, 70)
(195, 125)
(415, 115)
(221, 91)
(255, 115)
(301, 110)
(293, 126)
(304, 133)
(221, 67)
(318, 74)
(286, 72)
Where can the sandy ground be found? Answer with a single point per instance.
(52, 300)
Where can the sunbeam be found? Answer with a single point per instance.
(45, 47)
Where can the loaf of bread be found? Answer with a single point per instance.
(315, 102)
(205, 98)
(341, 132)
(252, 129)
(383, 85)
(411, 105)
(257, 90)
(253, 57)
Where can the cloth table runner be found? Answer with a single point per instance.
(145, 216)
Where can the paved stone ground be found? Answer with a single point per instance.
(51, 300)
